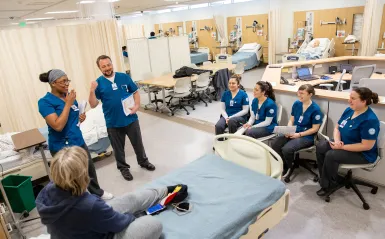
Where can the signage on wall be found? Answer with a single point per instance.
(310, 22)
(214, 35)
(340, 33)
(259, 32)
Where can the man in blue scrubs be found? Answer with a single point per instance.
(152, 35)
(112, 88)
(124, 50)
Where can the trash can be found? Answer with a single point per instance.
(19, 192)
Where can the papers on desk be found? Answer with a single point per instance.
(284, 129)
(82, 108)
(127, 104)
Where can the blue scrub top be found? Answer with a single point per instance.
(268, 109)
(235, 105)
(312, 115)
(112, 99)
(71, 133)
(365, 126)
(125, 54)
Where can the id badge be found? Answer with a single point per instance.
(300, 119)
(343, 123)
(257, 117)
(231, 102)
(114, 86)
(75, 108)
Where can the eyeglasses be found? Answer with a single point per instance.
(182, 208)
(64, 82)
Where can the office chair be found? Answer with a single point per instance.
(350, 182)
(152, 90)
(202, 84)
(181, 90)
(298, 162)
(360, 72)
(340, 83)
(376, 85)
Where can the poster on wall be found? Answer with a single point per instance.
(310, 22)
(340, 33)
(259, 32)
(214, 35)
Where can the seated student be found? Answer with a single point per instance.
(355, 139)
(70, 212)
(152, 35)
(307, 116)
(124, 50)
(263, 116)
(234, 108)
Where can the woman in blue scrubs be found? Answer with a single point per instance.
(263, 116)
(355, 139)
(234, 108)
(60, 110)
(306, 115)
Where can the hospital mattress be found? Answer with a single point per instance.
(226, 199)
(198, 57)
(250, 58)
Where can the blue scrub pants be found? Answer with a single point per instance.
(234, 124)
(258, 132)
(329, 159)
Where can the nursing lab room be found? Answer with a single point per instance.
(192, 119)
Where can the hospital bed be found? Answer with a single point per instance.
(236, 193)
(250, 53)
(308, 52)
(29, 161)
(200, 56)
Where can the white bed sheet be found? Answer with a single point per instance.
(252, 47)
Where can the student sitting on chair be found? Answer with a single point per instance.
(234, 108)
(69, 211)
(355, 139)
(306, 115)
(263, 116)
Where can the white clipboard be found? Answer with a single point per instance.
(284, 129)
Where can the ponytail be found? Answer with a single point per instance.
(267, 88)
(375, 98)
(367, 95)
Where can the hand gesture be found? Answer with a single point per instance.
(82, 117)
(70, 98)
(246, 126)
(94, 85)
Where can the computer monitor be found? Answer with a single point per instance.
(347, 67)
(304, 71)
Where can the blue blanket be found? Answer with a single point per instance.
(225, 197)
(198, 57)
(250, 58)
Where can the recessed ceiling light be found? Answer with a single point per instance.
(62, 12)
(18, 23)
(38, 19)
(85, 2)
(113, 0)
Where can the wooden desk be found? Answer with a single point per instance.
(218, 66)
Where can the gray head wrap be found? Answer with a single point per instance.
(55, 74)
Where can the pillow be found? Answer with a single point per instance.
(250, 46)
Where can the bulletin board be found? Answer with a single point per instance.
(205, 37)
(329, 31)
(167, 26)
(248, 36)
(382, 31)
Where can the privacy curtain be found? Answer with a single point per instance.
(274, 34)
(132, 31)
(220, 25)
(371, 27)
(26, 53)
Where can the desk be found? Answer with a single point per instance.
(332, 103)
(167, 81)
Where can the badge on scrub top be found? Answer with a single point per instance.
(231, 102)
(114, 86)
(125, 88)
(300, 119)
(75, 108)
(257, 116)
(343, 123)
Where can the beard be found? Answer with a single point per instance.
(108, 74)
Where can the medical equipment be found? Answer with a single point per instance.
(255, 26)
(193, 35)
(309, 52)
(350, 39)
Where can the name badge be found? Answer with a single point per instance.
(75, 108)
(300, 119)
(231, 102)
(114, 86)
(343, 123)
(257, 117)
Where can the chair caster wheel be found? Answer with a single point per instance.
(206, 105)
(315, 179)
(287, 180)
(172, 114)
(210, 101)
(327, 199)
(188, 113)
(193, 108)
(347, 187)
(366, 206)
(374, 190)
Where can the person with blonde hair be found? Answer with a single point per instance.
(70, 212)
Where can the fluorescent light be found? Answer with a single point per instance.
(199, 5)
(58, 12)
(85, 2)
(17, 23)
(177, 5)
(220, 3)
(238, 1)
(176, 9)
(113, 0)
(163, 11)
(38, 19)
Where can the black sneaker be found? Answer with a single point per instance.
(149, 166)
(126, 174)
(322, 192)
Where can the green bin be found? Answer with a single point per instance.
(19, 192)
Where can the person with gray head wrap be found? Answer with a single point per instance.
(60, 110)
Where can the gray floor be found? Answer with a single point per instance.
(170, 144)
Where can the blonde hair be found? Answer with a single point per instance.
(69, 170)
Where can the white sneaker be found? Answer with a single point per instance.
(107, 196)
